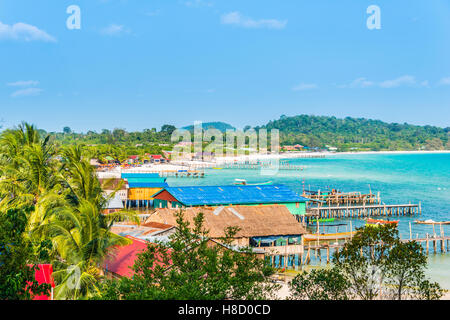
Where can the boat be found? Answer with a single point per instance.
(430, 221)
(217, 168)
(243, 182)
(380, 221)
(328, 236)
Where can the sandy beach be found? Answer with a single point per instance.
(295, 155)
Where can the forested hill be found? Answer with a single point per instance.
(358, 134)
(221, 126)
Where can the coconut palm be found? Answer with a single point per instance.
(82, 239)
(67, 199)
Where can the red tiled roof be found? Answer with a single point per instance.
(132, 157)
(156, 156)
(157, 225)
(124, 257)
(44, 275)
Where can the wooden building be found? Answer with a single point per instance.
(213, 196)
(260, 226)
(142, 186)
(112, 184)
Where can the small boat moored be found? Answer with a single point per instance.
(430, 222)
(380, 221)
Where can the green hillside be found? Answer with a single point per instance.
(358, 134)
(221, 126)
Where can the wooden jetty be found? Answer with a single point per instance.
(183, 174)
(302, 255)
(173, 173)
(364, 211)
(342, 198)
(257, 165)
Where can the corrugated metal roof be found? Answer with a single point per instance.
(149, 180)
(147, 185)
(218, 195)
(139, 175)
(115, 203)
(252, 221)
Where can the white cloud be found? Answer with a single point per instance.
(237, 19)
(23, 32)
(114, 30)
(445, 81)
(400, 81)
(405, 80)
(27, 83)
(26, 92)
(305, 86)
(358, 83)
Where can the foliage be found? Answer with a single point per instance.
(375, 264)
(357, 133)
(349, 134)
(65, 199)
(18, 259)
(320, 284)
(191, 267)
(363, 260)
(221, 126)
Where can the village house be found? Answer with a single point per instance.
(141, 188)
(213, 196)
(111, 185)
(264, 227)
(114, 204)
(121, 259)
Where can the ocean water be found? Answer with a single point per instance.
(400, 179)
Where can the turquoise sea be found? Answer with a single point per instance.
(400, 179)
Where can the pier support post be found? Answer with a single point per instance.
(328, 255)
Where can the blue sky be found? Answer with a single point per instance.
(139, 64)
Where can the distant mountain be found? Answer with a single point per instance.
(358, 134)
(221, 126)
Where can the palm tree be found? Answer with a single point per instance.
(82, 240)
(67, 200)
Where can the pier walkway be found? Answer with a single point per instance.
(364, 211)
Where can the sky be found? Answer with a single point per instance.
(137, 64)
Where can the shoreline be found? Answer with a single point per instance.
(195, 164)
(300, 155)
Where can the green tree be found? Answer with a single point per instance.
(320, 284)
(64, 202)
(434, 144)
(189, 267)
(362, 261)
(18, 258)
(405, 273)
(375, 264)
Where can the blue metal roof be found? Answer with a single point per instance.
(147, 185)
(224, 195)
(140, 175)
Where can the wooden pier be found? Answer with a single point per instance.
(364, 211)
(303, 256)
(343, 198)
(282, 165)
